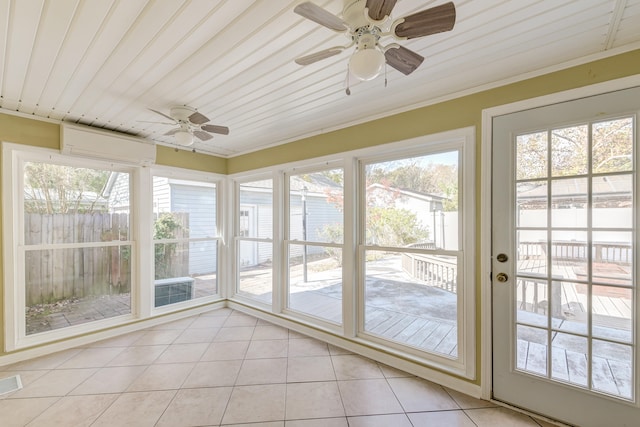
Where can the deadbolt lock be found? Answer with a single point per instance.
(502, 277)
(502, 257)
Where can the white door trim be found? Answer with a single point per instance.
(486, 384)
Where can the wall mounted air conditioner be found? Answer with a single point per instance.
(98, 144)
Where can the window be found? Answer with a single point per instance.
(314, 243)
(185, 238)
(254, 242)
(70, 249)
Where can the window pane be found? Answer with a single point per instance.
(315, 281)
(613, 201)
(256, 209)
(611, 311)
(531, 155)
(612, 257)
(192, 205)
(67, 287)
(532, 301)
(315, 206)
(532, 252)
(569, 358)
(413, 201)
(531, 353)
(569, 203)
(612, 368)
(66, 204)
(613, 145)
(256, 270)
(412, 298)
(569, 151)
(531, 202)
(184, 271)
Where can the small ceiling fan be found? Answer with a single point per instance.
(189, 123)
(365, 22)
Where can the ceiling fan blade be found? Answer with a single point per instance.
(378, 9)
(318, 56)
(198, 118)
(222, 130)
(157, 123)
(403, 59)
(172, 132)
(163, 115)
(201, 135)
(430, 21)
(320, 16)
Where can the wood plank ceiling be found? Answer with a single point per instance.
(104, 63)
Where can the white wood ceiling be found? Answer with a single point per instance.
(105, 62)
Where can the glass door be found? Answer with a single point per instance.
(564, 261)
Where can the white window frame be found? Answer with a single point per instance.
(235, 247)
(190, 178)
(14, 158)
(459, 139)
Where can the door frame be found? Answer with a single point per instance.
(486, 325)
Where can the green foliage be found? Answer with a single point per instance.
(333, 233)
(165, 227)
(388, 226)
(53, 188)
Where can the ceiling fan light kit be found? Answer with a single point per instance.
(190, 124)
(364, 22)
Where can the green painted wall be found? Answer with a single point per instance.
(461, 112)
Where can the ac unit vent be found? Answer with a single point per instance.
(85, 141)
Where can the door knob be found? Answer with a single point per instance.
(502, 277)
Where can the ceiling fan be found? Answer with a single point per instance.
(365, 22)
(189, 123)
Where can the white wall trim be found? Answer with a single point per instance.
(486, 386)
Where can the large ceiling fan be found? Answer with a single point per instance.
(189, 123)
(365, 22)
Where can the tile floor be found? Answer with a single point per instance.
(227, 368)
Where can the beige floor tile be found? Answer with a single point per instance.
(368, 397)
(240, 319)
(334, 351)
(441, 419)
(313, 400)
(142, 355)
(307, 347)
(162, 377)
(319, 422)
(120, 341)
(136, 409)
(55, 383)
(352, 367)
(390, 372)
(109, 380)
(18, 412)
(267, 349)
(268, 424)
(76, 411)
(181, 324)
(196, 407)
(418, 395)
(395, 420)
(182, 353)
(263, 371)
(206, 322)
(26, 378)
(270, 332)
(256, 404)
(229, 350)
(92, 358)
(468, 402)
(312, 368)
(499, 417)
(213, 374)
(167, 336)
(190, 336)
(236, 333)
(50, 361)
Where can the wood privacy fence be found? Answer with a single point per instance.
(57, 274)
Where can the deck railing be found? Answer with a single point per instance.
(602, 252)
(433, 270)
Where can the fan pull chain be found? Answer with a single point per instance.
(348, 91)
(385, 74)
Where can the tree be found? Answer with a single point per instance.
(53, 188)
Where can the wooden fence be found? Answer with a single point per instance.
(57, 274)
